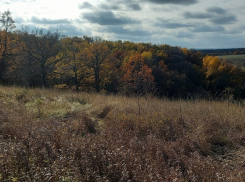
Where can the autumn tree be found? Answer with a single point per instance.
(115, 65)
(97, 59)
(6, 26)
(211, 65)
(23, 69)
(222, 77)
(138, 76)
(72, 69)
(44, 47)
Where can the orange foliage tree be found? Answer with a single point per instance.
(138, 76)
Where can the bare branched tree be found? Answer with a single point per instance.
(44, 47)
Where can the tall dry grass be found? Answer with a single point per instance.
(50, 135)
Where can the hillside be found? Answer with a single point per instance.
(52, 135)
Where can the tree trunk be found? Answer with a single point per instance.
(97, 79)
(1, 71)
(76, 82)
(43, 74)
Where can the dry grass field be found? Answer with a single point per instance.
(237, 60)
(51, 135)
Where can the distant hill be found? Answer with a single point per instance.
(217, 52)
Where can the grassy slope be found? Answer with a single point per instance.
(237, 60)
(48, 135)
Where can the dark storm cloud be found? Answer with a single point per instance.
(177, 2)
(217, 10)
(122, 31)
(107, 18)
(48, 21)
(206, 28)
(172, 25)
(85, 5)
(229, 19)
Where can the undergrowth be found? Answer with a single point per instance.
(48, 135)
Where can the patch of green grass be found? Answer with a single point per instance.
(233, 57)
(237, 60)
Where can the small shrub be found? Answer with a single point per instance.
(105, 112)
(90, 125)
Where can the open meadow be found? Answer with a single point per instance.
(238, 60)
(53, 135)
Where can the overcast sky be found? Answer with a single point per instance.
(184, 23)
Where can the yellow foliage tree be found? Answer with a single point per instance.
(72, 68)
(147, 55)
(97, 56)
(211, 65)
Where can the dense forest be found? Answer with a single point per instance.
(42, 58)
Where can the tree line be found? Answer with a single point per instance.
(42, 58)
(220, 52)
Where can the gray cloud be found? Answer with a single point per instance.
(107, 18)
(198, 15)
(109, 6)
(70, 30)
(217, 10)
(206, 28)
(172, 25)
(135, 7)
(184, 35)
(176, 25)
(85, 5)
(177, 2)
(234, 31)
(224, 19)
(48, 21)
(215, 15)
(19, 20)
(122, 31)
